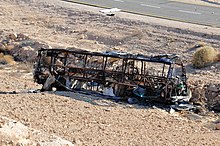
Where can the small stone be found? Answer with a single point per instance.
(9, 47)
(22, 36)
(2, 46)
(28, 48)
(116, 48)
(13, 36)
(27, 23)
(107, 109)
(81, 36)
(217, 126)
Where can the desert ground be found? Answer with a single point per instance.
(89, 120)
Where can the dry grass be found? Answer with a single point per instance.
(204, 56)
(6, 59)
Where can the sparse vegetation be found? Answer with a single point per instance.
(204, 56)
(6, 59)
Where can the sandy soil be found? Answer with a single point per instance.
(15, 133)
(90, 120)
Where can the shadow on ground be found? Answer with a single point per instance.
(107, 101)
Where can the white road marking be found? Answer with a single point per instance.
(119, 1)
(150, 6)
(190, 12)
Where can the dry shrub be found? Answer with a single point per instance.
(7, 59)
(204, 57)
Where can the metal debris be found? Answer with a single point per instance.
(147, 78)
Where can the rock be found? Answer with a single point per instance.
(5, 42)
(28, 48)
(116, 48)
(2, 47)
(81, 36)
(213, 88)
(9, 47)
(22, 36)
(17, 134)
(13, 36)
(217, 126)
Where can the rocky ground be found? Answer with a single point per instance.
(15, 133)
(88, 120)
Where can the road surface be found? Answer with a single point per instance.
(167, 9)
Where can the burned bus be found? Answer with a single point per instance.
(161, 77)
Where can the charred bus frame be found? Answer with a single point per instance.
(128, 74)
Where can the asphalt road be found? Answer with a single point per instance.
(167, 9)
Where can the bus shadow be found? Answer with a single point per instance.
(93, 99)
(106, 101)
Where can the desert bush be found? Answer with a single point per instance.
(204, 56)
(6, 59)
(9, 59)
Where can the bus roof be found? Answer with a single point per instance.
(163, 58)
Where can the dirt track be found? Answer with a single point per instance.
(89, 120)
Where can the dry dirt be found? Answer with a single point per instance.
(90, 120)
